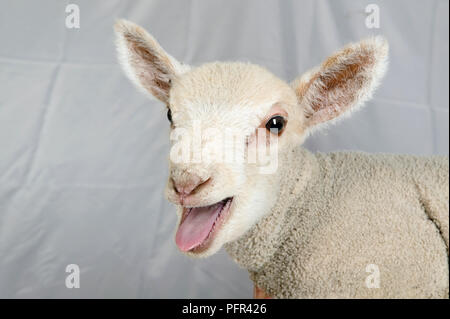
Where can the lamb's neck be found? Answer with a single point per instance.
(257, 245)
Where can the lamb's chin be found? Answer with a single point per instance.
(199, 228)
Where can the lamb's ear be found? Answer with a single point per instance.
(144, 61)
(343, 82)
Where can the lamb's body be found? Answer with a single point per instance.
(338, 213)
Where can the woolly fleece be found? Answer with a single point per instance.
(338, 213)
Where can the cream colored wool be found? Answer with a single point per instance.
(339, 212)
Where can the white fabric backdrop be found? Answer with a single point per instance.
(83, 154)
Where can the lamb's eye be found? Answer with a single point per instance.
(169, 115)
(276, 123)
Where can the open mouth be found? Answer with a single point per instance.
(198, 225)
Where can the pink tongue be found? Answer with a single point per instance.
(196, 226)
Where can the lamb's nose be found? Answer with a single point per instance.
(186, 186)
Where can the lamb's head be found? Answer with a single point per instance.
(226, 121)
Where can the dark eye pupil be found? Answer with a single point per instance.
(276, 123)
(169, 115)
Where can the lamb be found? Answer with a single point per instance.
(319, 222)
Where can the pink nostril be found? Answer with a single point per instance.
(188, 186)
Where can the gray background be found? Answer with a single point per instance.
(83, 154)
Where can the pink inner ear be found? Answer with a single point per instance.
(335, 89)
(150, 64)
(152, 69)
(343, 82)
